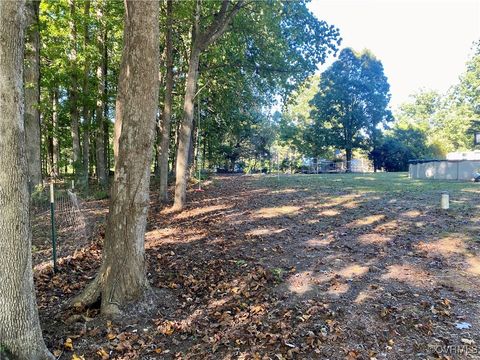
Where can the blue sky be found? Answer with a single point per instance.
(422, 44)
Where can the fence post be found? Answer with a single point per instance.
(54, 235)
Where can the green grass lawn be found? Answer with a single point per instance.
(370, 182)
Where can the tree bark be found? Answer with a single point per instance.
(192, 149)
(122, 275)
(55, 144)
(184, 135)
(102, 175)
(185, 128)
(167, 110)
(73, 94)
(32, 94)
(348, 152)
(20, 331)
(106, 122)
(200, 41)
(85, 106)
(161, 81)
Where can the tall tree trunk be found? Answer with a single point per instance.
(20, 331)
(73, 94)
(167, 110)
(102, 175)
(106, 122)
(200, 41)
(55, 144)
(158, 126)
(192, 149)
(348, 152)
(158, 135)
(175, 146)
(85, 106)
(184, 135)
(85, 146)
(32, 94)
(122, 275)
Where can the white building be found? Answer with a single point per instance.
(466, 155)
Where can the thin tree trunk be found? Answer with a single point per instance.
(85, 107)
(161, 80)
(192, 149)
(73, 94)
(158, 135)
(122, 275)
(20, 331)
(167, 110)
(174, 152)
(93, 149)
(102, 175)
(106, 122)
(55, 145)
(85, 147)
(185, 131)
(185, 128)
(32, 94)
(200, 41)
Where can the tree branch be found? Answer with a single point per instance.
(219, 24)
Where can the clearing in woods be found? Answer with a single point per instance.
(305, 266)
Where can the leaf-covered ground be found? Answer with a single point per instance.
(304, 267)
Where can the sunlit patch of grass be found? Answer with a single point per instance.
(453, 243)
(285, 191)
(272, 212)
(351, 205)
(387, 183)
(264, 231)
(200, 211)
(473, 265)
(330, 212)
(411, 214)
(333, 201)
(370, 178)
(364, 296)
(320, 242)
(161, 237)
(367, 220)
(387, 226)
(352, 271)
(474, 189)
(373, 238)
(410, 274)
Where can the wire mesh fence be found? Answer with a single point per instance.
(316, 166)
(60, 227)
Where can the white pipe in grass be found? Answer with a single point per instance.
(445, 201)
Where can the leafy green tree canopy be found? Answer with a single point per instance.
(351, 103)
